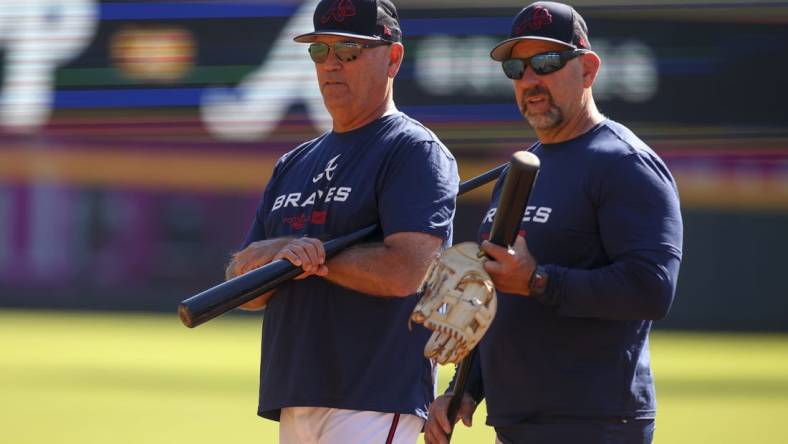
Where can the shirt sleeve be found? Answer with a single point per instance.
(417, 191)
(256, 231)
(641, 229)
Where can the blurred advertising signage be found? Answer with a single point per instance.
(155, 54)
(150, 47)
(189, 54)
(38, 36)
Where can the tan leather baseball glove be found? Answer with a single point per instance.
(458, 303)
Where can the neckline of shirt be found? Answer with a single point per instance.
(371, 125)
(592, 130)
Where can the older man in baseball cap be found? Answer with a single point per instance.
(339, 365)
(566, 359)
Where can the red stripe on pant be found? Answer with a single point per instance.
(393, 428)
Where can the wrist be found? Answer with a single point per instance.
(545, 284)
(537, 284)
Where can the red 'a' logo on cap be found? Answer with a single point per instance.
(338, 11)
(536, 20)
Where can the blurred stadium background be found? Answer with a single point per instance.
(136, 138)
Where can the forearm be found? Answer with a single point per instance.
(255, 254)
(639, 286)
(392, 269)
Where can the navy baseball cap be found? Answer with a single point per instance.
(362, 19)
(547, 21)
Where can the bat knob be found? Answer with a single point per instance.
(185, 315)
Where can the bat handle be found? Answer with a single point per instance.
(459, 390)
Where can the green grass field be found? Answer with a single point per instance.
(112, 378)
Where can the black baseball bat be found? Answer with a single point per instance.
(235, 292)
(515, 192)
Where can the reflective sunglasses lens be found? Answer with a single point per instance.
(513, 68)
(347, 51)
(318, 52)
(546, 63)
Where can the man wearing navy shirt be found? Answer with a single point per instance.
(338, 362)
(566, 359)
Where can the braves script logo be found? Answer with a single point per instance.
(538, 19)
(298, 222)
(331, 166)
(338, 11)
(295, 222)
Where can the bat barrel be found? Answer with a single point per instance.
(514, 197)
(222, 298)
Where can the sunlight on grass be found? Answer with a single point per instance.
(120, 378)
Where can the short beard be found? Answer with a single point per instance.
(542, 121)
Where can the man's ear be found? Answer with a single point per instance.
(396, 55)
(591, 65)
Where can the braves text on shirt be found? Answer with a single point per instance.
(334, 194)
(532, 214)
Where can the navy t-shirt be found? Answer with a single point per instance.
(327, 346)
(604, 220)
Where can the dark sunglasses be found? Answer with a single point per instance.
(542, 64)
(345, 51)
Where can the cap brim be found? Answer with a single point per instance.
(503, 50)
(312, 36)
